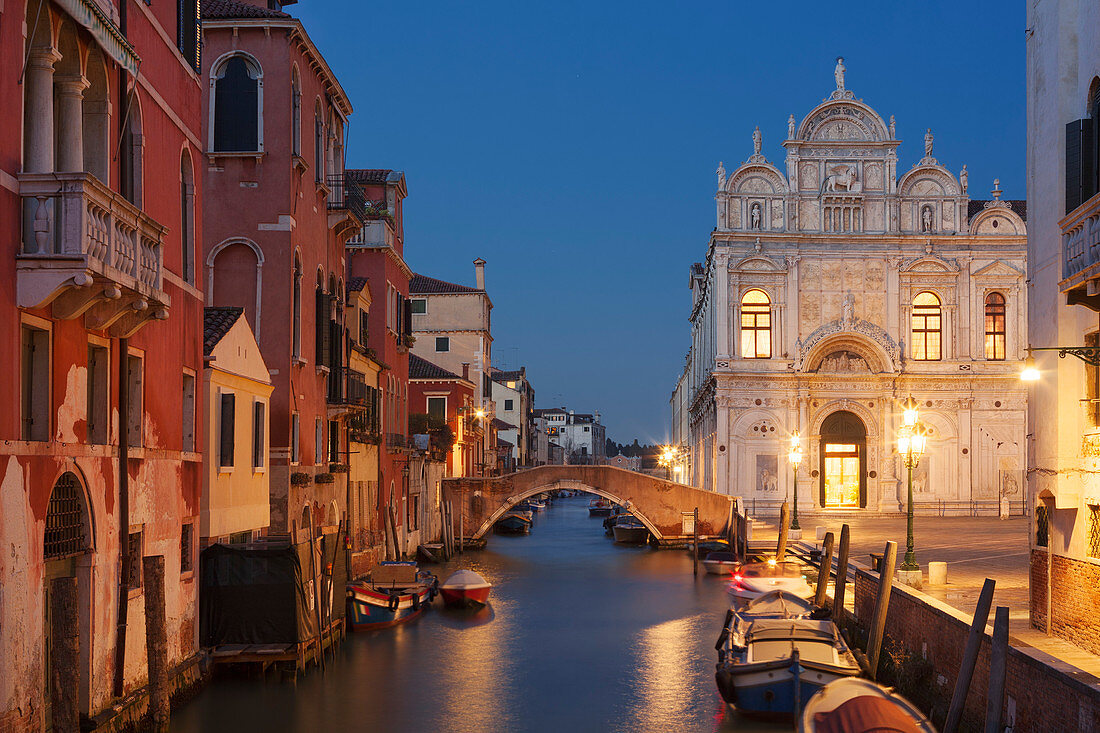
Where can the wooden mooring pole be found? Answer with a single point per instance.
(998, 662)
(695, 542)
(823, 571)
(841, 575)
(65, 655)
(970, 657)
(156, 641)
(882, 605)
(784, 525)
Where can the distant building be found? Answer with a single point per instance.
(515, 398)
(630, 463)
(582, 438)
(237, 388)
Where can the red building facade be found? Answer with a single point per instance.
(101, 326)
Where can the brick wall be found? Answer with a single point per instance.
(1037, 584)
(1045, 695)
(1075, 602)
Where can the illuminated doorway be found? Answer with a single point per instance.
(843, 469)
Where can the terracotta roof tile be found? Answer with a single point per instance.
(357, 283)
(427, 285)
(238, 9)
(216, 323)
(420, 368)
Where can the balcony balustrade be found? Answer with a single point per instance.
(1081, 254)
(88, 251)
(374, 233)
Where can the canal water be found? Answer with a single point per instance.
(582, 635)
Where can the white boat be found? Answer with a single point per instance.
(753, 580)
(720, 563)
(772, 666)
(858, 706)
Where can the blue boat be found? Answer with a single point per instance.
(397, 592)
(771, 666)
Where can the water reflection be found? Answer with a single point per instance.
(581, 635)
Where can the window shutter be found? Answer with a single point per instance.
(1080, 173)
(320, 316)
(258, 423)
(407, 312)
(229, 402)
(326, 326)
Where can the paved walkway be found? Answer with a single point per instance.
(974, 548)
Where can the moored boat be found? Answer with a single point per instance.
(599, 508)
(465, 589)
(755, 579)
(513, 523)
(720, 563)
(708, 546)
(772, 666)
(859, 706)
(396, 592)
(630, 531)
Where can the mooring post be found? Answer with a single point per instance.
(841, 576)
(882, 605)
(443, 530)
(695, 542)
(156, 641)
(65, 653)
(970, 657)
(823, 571)
(461, 524)
(998, 661)
(784, 525)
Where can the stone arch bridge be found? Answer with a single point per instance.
(660, 505)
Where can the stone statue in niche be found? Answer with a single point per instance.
(926, 219)
(841, 178)
(928, 143)
(964, 178)
(893, 128)
(838, 73)
(790, 127)
(757, 141)
(847, 314)
(721, 176)
(754, 217)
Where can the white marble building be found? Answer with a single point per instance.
(833, 287)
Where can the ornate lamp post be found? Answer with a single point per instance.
(795, 457)
(668, 454)
(912, 440)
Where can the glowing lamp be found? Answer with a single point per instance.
(1030, 372)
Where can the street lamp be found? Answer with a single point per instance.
(795, 457)
(666, 459)
(912, 440)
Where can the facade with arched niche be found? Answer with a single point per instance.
(835, 286)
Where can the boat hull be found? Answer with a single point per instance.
(465, 597)
(719, 567)
(630, 535)
(768, 689)
(374, 609)
(513, 525)
(599, 511)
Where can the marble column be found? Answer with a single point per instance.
(38, 145)
(70, 118)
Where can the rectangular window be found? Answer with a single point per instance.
(333, 441)
(189, 412)
(926, 329)
(437, 408)
(226, 429)
(240, 538)
(419, 306)
(295, 439)
(188, 31)
(1093, 515)
(134, 393)
(98, 395)
(259, 433)
(134, 552)
(1080, 159)
(364, 330)
(1042, 525)
(1092, 382)
(756, 331)
(586, 429)
(187, 548)
(318, 440)
(508, 405)
(995, 327)
(442, 343)
(36, 384)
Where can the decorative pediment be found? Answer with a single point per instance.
(842, 120)
(999, 268)
(997, 217)
(757, 178)
(929, 264)
(925, 181)
(758, 263)
(867, 346)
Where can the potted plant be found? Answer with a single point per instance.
(299, 479)
(324, 478)
(338, 468)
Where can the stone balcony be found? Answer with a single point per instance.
(374, 233)
(1081, 254)
(88, 251)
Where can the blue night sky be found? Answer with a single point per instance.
(573, 146)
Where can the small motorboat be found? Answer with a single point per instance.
(708, 546)
(755, 579)
(465, 589)
(781, 604)
(628, 530)
(772, 666)
(856, 705)
(536, 505)
(396, 592)
(513, 523)
(720, 563)
(599, 508)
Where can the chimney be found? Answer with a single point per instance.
(479, 273)
(466, 370)
(597, 420)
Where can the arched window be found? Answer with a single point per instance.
(296, 333)
(130, 155)
(295, 113)
(236, 120)
(318, 143)
(756, 325)
(995, 326)
(927, 327)
(67, 530)
(187, 217)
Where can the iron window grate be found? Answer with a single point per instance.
(65, 535)
(1042, 525)
(1094, 531)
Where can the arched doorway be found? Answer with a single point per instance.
(842, 482)
(67, 539)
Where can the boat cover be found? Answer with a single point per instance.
(465, 580)
(778, 603)
(866, 714)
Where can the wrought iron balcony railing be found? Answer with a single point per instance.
(346, 195)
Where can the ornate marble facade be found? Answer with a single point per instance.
(833, 288)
